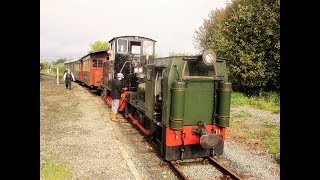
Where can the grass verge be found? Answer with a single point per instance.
(53, 169)
(259, 134)
(267, 101)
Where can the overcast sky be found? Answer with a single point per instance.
(68, 27)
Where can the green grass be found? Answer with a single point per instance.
(60, 65)
(266, 101)
(52, 170)
(265, 134)
(272, 137)
(243, 114)
(54, 70)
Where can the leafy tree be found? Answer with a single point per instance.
(98, 46)
(44, 65)
(247, 34)
(60, 61)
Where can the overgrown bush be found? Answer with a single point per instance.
(44, 65)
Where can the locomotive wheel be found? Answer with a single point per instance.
(99, 92)
(127, 110)
(139, 116)
(103, 93)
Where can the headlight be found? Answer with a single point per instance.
(135, 70)
(140, 69)
(209, 57)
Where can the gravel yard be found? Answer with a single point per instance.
(75, 128)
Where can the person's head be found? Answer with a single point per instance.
(68, 70)
(120, 76)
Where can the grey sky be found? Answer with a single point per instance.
(67, 27)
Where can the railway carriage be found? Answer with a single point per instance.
(70, 65)
(78, 70)
(90, 68)
(182, 103)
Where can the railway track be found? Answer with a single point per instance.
(175, 166)
(227, 173)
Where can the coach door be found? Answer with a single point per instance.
(99, 72)
(93, 72)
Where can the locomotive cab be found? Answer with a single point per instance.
(129, 55)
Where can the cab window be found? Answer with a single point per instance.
(148, 47)
(135, 47)
(122, 46)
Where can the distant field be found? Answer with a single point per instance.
(54, 70)
(60, 65)
(268, 101)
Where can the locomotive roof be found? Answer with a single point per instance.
(132, 37)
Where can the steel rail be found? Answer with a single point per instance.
(177, 171)
(224, 169)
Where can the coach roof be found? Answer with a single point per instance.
(70, 61)
(93, 53)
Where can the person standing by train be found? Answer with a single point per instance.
(68, 77)
(116, 90)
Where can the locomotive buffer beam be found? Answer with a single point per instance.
(207, 140)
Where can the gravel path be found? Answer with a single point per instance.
(79, 134)
(249, 164)
(75, 126)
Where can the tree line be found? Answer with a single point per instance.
(247, 34)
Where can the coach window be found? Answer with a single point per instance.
(148, 47)
(100, 63)
(85, 65)
(94, 62)
(122, 46)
